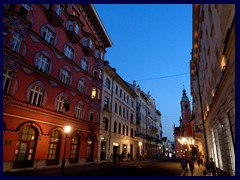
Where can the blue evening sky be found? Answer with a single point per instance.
(151, 44)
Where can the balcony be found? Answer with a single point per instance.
(87, 46)
(153, 129)
(73, 36)
(54, 13)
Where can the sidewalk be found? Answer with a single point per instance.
(198, 171)
(71, 170)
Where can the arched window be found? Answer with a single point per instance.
(54, 148)
(25, 149)
(119, 128)
(74, 149)
(90, 147)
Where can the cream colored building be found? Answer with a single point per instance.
(149, 125)
(118, 121)
(213, 82)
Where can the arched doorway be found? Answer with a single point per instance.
(25, 149)
(54, 148)
(74, 149)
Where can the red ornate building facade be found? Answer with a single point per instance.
(53, 64)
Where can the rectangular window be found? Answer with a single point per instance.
(91, 116)
(69, 52)
(106, 102)
(59, 9)
(120, 110)
(43, 63)
(65, 76)
(119, 128)
(7, 78)
(36, 96)
(115, 107)
(79, 111)
(82, 86)
(116, 89)
(16, 42)
(48, 35)
(24, 10)
(127, 131)
(60, 104)
(84, 64)
(87, 42)
(94, 93)
(131, 132)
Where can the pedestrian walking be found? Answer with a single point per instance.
(183, 165)
(191, 166)
(207, 165)
(212, 166)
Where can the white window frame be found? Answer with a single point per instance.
(60, 104)
(69, 52)
(65, 76)
(7, 79)
(16, 42)
(48, 35)
(36, 95)
(82, 86)
(43, 63)
(84, 64)
(79, 111)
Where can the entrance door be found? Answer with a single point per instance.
(124, 150)
(131, 151)
(103, 151)
(24, 153)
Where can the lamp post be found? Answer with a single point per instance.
(67, 129)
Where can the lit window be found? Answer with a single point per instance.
(43, 63)
(69, 52)
(36, 96)
(65, 76)
(16, 42)
(7, 78)
(48, 35)
(94, 93)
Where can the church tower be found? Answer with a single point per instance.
(186, 115)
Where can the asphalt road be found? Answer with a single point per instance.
(145, 168)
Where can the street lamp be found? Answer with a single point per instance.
(67, 129)
(140, 145)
